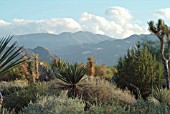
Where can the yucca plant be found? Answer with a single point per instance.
(9, 56)
(71, 75)
(162, 95)
(58, 65)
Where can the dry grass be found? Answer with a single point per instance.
(101, 91)
(17, 83)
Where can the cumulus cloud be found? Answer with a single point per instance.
(119, 14)
(118, 25)
(163, 13)
(97, 24)
(100, 25)
(3, 23)
(55, 26)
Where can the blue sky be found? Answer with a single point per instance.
(97, 16)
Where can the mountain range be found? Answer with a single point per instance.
(76, 47)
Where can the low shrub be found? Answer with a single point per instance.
(17, 83)
(162, 95)
(140, 107)
(55, 105)
(101, 91)
(18, 98)
(5, 111)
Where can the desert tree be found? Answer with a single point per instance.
(161, 30)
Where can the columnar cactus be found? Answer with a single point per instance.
(91, 66)
(36, 67)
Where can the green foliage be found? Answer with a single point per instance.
(55, 105)
(152, 27)
(5, 111)
(141, 107)
(9, 55)
(71, 75)
(139, 70)
(160, 26)
(17, 98)
(105, 72)
(19, 84)
(30, 67)
(11, 75)
(58, 65)
(162, 95)
(153, 48)
(109, 100)
(147, 107)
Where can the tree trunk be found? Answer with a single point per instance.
(165, 62)
(166, 71)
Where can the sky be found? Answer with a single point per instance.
(114, 18)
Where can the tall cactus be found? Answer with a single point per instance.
(91, 66)
(36, 67)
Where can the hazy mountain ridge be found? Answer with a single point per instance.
(51, 41)
(76, 47)
(105, 52)
(43, 54)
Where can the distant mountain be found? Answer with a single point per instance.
(43, 54)
(76, 47)
(51, 41)
(105, 52)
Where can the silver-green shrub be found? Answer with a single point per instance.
(55, 105)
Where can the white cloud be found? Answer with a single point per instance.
(96, 24)
(55, 26)
(119, 14)
(120, 25)
(100, 25)
(3, 23)
(163, 13)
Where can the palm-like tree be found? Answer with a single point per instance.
(161, 30)
(71, 75)
(9, 56)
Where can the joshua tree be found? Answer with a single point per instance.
(9, 56)
(161, 30)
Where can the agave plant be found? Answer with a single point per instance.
(71, 75)
(9, 56)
